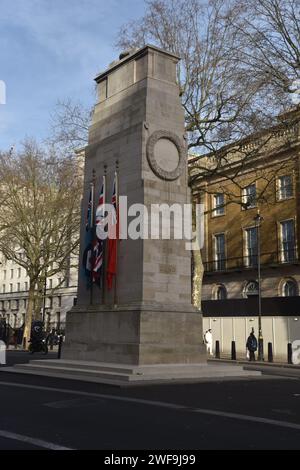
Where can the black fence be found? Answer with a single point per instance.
(239, 263)
(271, 306)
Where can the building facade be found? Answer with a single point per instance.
(251, 219)
(58, 296)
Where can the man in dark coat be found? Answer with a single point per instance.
(252, 345)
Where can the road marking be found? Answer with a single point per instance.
(32, 440)
(255, 419)
(173, 406)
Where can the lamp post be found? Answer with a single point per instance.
(258, 219)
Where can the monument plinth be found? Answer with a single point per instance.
(139, 122)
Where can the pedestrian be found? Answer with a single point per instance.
(208, 341)
(51, 339)
(251, 346)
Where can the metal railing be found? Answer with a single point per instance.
(249, 262)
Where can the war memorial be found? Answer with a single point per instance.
(144, 329)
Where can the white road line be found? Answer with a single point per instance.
(173, 406)
(31, 440)
(255, 419)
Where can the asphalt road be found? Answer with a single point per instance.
(45, 413)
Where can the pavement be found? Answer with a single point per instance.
(46, 413)
(279, 369)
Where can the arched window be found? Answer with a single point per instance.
(251, 289)
(220, 292)
(289, 288)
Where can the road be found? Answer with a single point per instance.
(47, 413)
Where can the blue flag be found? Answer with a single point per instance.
(87, 258)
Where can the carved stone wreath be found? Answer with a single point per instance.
(160, 172)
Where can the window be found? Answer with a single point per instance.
(19, 272)
(17, 304)
(251, 289)
(25, 304)
(249, 196)
(221, 293)
(287, 241)
(251, 246)
(3, 288)
(220, 256)
(285, 187)
(50, 283)
(289, 289)
(218, 204)
(11, 287)
(18, 287)
(50, 302)
(4, 275)
(11, 273)
(59, 301)
(26, 286)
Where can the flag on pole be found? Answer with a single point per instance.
(113, 237)
(87, 254)
(98, 244)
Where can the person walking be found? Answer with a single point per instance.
(208, 341)
(251, 346)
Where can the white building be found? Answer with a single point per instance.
(14, 285)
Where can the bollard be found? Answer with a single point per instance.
(60, 346)
(290, 353)
(233, 351)
(218, 350)
(270, 352)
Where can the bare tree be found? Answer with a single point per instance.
(70, 122)
(40, 217)
(232, 55)
(269, 34)
(239, 60)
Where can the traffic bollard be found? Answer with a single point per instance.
(270, 352)
(233, 351)
(218, 350)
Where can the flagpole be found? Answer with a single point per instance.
(93, 231)
(117, 232)
(104, 242)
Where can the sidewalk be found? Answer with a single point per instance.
(281, 369)
(21, 349)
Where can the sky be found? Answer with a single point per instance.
(52, 50)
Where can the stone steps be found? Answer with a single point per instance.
(119, 374)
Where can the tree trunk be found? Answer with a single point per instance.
(197, 265)
(29, 314)
(37, 315)
(197, 278)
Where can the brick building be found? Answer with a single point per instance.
(267, 182)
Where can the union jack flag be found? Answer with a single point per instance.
(98, 244)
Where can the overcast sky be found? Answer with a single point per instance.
(51, 50)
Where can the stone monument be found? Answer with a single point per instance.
(139, 122)
(148, 331)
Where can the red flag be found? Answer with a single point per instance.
(111, 270)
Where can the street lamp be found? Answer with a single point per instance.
(258, 219)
